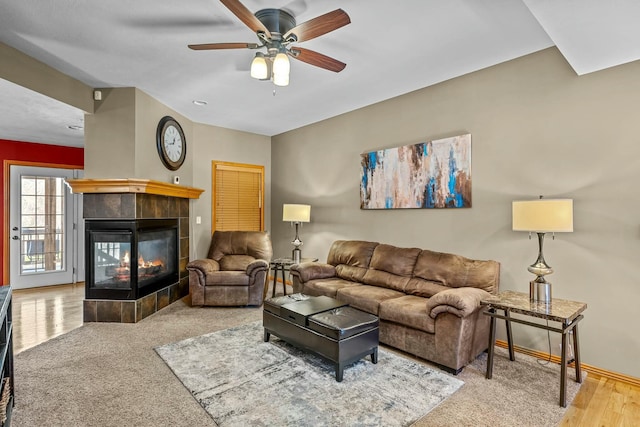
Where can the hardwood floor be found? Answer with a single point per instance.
(40, 314)
(43, 313)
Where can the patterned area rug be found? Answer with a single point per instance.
(241, 380)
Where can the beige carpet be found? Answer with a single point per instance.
(106, 374)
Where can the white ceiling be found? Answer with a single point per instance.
(390, 48)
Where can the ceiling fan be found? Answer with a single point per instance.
(277, 31)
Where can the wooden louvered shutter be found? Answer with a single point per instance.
(238, 197)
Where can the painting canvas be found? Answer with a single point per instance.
(434, 174)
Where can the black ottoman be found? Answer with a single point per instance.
(324, 326)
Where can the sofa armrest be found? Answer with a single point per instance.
(204, 266)
(256, 266)
(312, 270)
(459, 301)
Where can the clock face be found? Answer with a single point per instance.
(171, 143)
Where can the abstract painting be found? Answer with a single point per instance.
(427, 175)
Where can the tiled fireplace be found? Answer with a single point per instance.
(137, 247)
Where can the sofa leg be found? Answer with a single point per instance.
(450, 370)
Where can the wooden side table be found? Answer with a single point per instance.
(282, 265)
(567, 313)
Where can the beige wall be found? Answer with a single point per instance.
(120, 142)
(120, 138)
(214, 143)
(537, 129)
(27, 72)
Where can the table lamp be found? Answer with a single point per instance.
(542, 216)
(296, 214)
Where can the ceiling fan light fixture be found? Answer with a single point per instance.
(281, 79)
(281, 65)
(260, 67)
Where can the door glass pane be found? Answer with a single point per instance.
(42, 218)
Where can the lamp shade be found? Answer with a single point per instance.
(543, 215)
(296, 213)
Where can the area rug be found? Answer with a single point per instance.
(290, 387)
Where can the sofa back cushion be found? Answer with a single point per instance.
(398, 261)
(423, 288)
(456, 271)
(349, 272)
(355, 253)
(383, 279)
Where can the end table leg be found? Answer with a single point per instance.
(492, 343)
(507, 322)
(563, 371)
(284, 282)
(275, 281)
(339, 372)
(267, 334)
(374, 356)
(576, 354)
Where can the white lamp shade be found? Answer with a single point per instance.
(296, 213)
(543, 215)
(259, 67)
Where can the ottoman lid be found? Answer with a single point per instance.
(343, 322)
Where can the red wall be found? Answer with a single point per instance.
(37, 153)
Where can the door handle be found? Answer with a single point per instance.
(15, 238)
(15, 229)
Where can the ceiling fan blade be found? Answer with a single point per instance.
(318, 26)
(317, 59)
(210, 46)
(245, 15)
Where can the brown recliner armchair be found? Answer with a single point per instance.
(234, 272)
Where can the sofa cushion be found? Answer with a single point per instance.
(349, 272)
(385, 280)
(235, 262)
(398, 261)
(365, 297)
(456, 271)
(423, 288)
(409, 311)
(227, 278)
(327, 287)
(351, 252)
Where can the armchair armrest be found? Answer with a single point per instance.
(312, 270)
(459, 301)
(256, 266)
(204, 266)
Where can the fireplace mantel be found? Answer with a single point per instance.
(131, 185)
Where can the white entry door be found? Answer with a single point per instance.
(46, 238)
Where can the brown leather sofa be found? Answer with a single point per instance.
(234, 272)
(428, 302)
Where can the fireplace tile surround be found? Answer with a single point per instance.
(138, 199)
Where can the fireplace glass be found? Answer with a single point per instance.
(130, 259)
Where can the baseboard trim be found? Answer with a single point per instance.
(627, 379)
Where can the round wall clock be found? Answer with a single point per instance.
(171, 143)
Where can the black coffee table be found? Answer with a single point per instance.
(323, 326)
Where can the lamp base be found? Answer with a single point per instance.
(540, 290)
(296, 255)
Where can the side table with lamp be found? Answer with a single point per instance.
(540, 216)
(296, 214)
